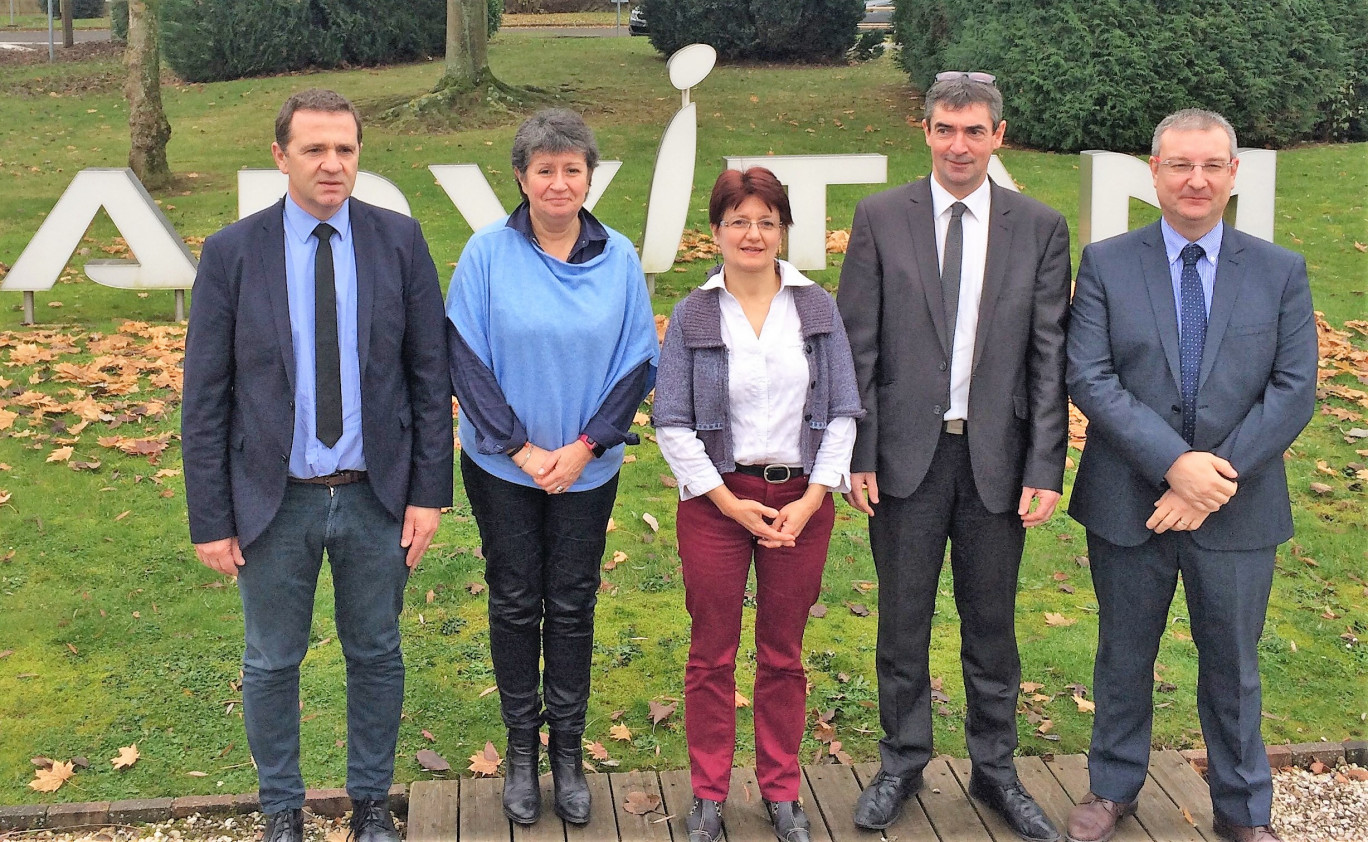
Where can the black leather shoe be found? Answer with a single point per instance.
(790, 822)
(521, 793)
(567, 774)
(371, 822)
(882, 801)
(285, 826)
(704, 821)
(1016, 806)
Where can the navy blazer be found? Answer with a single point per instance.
(890, 299)
(1256, 391)
(237, 420)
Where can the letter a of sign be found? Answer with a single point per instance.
(162, 260)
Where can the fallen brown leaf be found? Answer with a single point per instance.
(128, 755)
(640, 803)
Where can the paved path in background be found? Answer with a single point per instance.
(39, 37)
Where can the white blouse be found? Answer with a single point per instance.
(767, 384)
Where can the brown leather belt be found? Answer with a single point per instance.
(772, 473)
(955, 426)
(333, 480)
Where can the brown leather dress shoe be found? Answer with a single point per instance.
(1240, 833)
(1094, 818)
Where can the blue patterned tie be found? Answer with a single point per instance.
(1192, 324)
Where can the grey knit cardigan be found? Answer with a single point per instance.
(691, 387)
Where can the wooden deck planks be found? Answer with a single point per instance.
(482, 817)
(602, 823)
(952, 816)
(433, 811)
(632, 828)
(1175, 806)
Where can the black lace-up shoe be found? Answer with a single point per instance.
(704, 821)
(1016, 806)
(371, 822)
(790, 822)
(882, 801)
(285, 826)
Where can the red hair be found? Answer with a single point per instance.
(736, 186)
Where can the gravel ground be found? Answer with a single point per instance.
(1328, 807)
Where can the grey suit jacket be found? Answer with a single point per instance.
(1256, 391)
(237, 417)
(890, 299)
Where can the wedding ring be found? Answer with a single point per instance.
(560, 488)
(1182, 523)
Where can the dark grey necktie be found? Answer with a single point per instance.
(951, 262)
(1193, 324)
(327, 362)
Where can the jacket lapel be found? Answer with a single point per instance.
(921, 225)
(366, 243)
(271, 268)
(1225, 290)
(994, 267)
(1154, 266)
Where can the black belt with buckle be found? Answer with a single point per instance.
(955, 426)
(333, 480)
(771, 473)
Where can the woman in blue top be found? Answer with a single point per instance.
(553, 347)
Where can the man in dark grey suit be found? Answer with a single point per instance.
(955, 294)
(1192, 352)
(317, 417)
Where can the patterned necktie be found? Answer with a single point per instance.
(951, 262)
(327, 362)
(1192, 324)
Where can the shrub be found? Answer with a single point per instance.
(81, 9)
(767, 30)
(118, 20)
(212, 40)
(1085, 74)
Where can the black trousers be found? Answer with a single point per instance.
(908, 537)
(542, 555)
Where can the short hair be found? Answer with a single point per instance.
(314, 99)
(961, 92)
(1193, 120)
(553, 130)
(736, 186)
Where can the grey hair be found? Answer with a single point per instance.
(1193, 120)
(313, 99)
(961, 92)
(553, 130)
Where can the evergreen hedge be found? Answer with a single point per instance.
(1099, 74)
(766, 30)
(213, 40)
(81, 9)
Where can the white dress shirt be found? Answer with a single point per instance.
(767, 385)
(975, 222)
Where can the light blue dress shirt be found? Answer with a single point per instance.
(1206, 266)
(309, 457)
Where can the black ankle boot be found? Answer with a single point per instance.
(567, 773)
(521, 794)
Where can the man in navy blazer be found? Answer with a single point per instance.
(317, 418)
(1192, 352)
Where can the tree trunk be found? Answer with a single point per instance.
(68, 35)
(148, 127)
(467, 43)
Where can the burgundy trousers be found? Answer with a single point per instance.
(717, 553)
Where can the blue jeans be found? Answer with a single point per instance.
(542, 554)
(277, 585)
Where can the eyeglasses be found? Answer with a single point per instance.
(971, 75)
(1210, 168)
(766, 226)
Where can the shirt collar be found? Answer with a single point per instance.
(591, 229)
(789, 276)
(1210, 241)
(979, 202)
(300, 224)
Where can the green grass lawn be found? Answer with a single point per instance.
(115, 635)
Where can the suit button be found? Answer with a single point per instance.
(943, 366)
(813, 385)
(936, 410)
(285, 458)
(1175, 408)
(807, 417)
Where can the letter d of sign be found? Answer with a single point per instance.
(161, 259)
